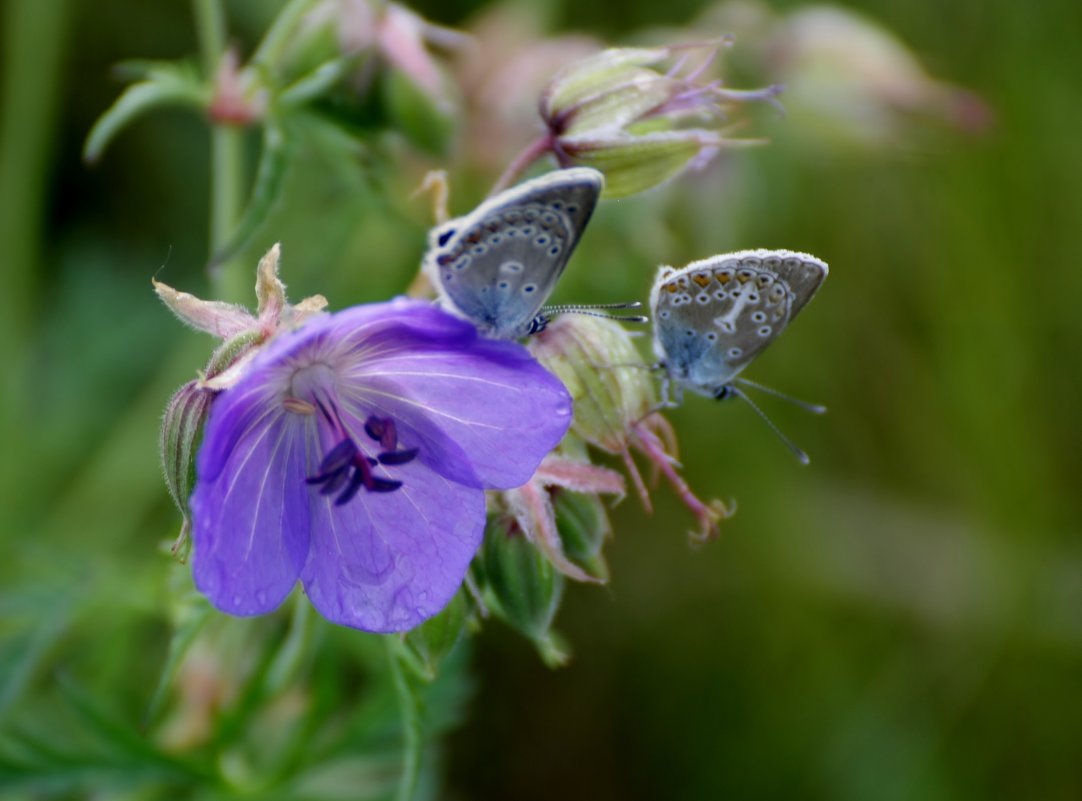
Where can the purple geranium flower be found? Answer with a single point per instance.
(354, 455)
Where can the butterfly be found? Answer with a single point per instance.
(712, 317)
(497, 265)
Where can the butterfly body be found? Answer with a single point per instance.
(712, 317)
(497, 265)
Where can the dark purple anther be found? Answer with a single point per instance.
(398, 457)
(345, 468)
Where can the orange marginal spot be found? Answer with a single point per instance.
(723, 276)
(702, 279)
(670, 287)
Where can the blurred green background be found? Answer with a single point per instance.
(902, 619)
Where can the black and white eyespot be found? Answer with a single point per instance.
(702, 298)
(528, 289)
(504, 285)
(764, 331)
(462, 263)
(727, 326)
(527, 231)
(542, 240)
(664, 314)
(495, 239)
(548, 219)
(735, 353)
(711, 336)
(554, 250)
(689, 332)
(511, 267)
(479, 250)
(758, 317)
(721, 294)
(753, 297)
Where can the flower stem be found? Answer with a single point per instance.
(226, 151)
(409, 711)
(531, 153)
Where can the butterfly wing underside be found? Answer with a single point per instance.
(714, 316)
(498, 264)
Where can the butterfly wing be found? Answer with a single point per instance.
(712, 317)
(498, 264)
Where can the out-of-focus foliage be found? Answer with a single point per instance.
(902, 619)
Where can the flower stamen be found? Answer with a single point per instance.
(346, 469)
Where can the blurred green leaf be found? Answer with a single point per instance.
(166, 85)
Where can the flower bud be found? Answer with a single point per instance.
(584, 527)
(601, 368)
(182, 429)
(617, 112)
(526, 587)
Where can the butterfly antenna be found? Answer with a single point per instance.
(797, 452)
(814, 408)
(598, 310)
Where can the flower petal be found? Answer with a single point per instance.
(483, 412)
(249, 508)
(388, 561)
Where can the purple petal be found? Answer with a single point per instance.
(387, 561)
(482, 412)
(249, 509)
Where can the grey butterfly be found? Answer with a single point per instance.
(712, 317)
(497, 265)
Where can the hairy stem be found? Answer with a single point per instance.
(226, 153)
(410, 715)
(531, 153)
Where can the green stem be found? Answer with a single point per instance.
(409, 710)
(226, 154)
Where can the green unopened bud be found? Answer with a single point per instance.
(525, 585)
(619, 112)
(182, 430)
(584, 527)
(601, 368)
(633, 164)
(434, 639)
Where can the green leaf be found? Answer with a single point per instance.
(165, 87)
(195, 614)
